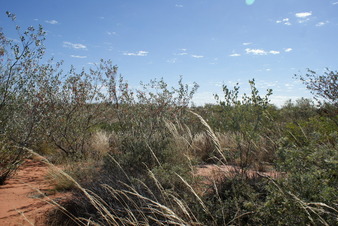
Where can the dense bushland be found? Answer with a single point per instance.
(130, 155)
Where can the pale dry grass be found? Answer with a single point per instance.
(138, 209)
(101, 143)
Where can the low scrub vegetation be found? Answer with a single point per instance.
(130, 155)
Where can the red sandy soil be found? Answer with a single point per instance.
(214, 172)
(211, 173)
(20, 202)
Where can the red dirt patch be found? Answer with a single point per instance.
(19, 198)
(211, 173)
(214, 172)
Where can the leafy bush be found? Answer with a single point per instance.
(248, 119)
(10, 159)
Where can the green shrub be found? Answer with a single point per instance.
(10, 159)
(247, 117)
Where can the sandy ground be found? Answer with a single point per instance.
(212, 173)
(20, 202)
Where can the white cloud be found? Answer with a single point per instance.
(288, 50)
(261, 52)
(285, 21)
(111, 33)
(335, 3)
(139, 53)
(76, 56)
(172, 61)
(51, 21)
(274, 52)
(181, 54)
(303, 17)
(197, 56)
(280, 100)
(303, 14)
(256, 51)
(246, 43)
(303, 20)
(184, 50)
(74, 45)
(322, 23)
(235, 55)
(201, 98)
(263, 84)
(179, 6)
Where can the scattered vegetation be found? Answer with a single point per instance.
(130, 155)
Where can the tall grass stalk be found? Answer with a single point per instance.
(212, 135)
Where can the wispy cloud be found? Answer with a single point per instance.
(322, 23)
(335, 3)
(303, 14)
(139, 53)
(256, 51)
(197, 56)
(285, 21)
(246, 43)
(111, 33)
(51, 21)
(181, 54)
(172, 61)
(264, 84)
(274, 52)
(179, 6)
(74, 45)
(288, 50)
(235, 55)
(80, 57)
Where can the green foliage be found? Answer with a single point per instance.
(10, 160)
(243, 114)
(145, 141)
(315, 130)
(236, 201)
(19, 63)
(323, 86)
(247, 117)
(18, 79)
(313, 172)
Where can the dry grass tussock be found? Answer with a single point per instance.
(101, 143)
(134, 208)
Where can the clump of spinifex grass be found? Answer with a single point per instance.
(132, 203)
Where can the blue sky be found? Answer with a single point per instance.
(211, 42)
